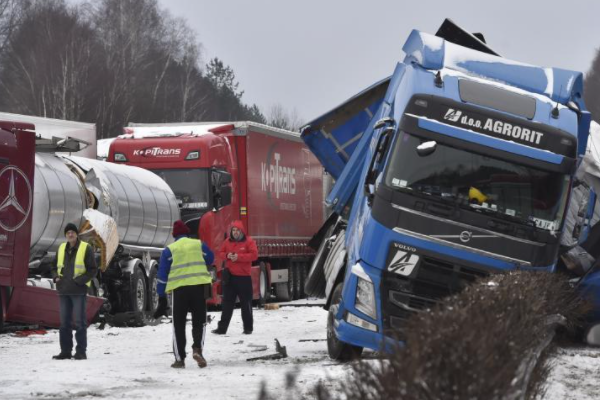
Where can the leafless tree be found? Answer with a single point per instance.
(46, 70)
(111, 62)
(279, 117)
(10, 18)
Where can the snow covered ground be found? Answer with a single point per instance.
(574, 374)
(135, 363)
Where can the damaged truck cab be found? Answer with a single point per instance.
(459, 165)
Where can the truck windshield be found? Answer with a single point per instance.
(477, 182)
(191, 186)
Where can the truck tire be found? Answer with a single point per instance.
(153, 294)
(139, 292)
(296, 280)
(1, 312)
(315, 280)
(302, 266)
(263, 286)
(337, 349)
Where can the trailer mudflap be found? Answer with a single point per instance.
(37, 305)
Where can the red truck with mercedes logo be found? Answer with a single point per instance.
(224, 171)
(123, 211)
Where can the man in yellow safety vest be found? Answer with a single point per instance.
(73, 271)
(183, 272)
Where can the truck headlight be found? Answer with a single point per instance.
(365, 298)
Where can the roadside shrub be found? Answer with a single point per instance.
(490, 341)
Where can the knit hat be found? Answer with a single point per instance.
(180, 228)
(71, 227)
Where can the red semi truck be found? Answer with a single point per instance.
(225, 171)
(20, 301)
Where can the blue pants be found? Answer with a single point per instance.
(73, 309)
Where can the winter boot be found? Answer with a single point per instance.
(178, 364)
(80, 356)
(218, 331)
(197, 355)
(62, 356)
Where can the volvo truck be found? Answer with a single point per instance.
(460, 164)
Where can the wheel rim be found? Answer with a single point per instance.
(141, 300)
(263, 285)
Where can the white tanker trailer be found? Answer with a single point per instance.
(126, 212)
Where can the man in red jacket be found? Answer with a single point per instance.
(238, 251)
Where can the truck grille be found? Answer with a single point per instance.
(432, 281)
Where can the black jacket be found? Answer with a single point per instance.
(68, 285)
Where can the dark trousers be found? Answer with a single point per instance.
(238, 286)
(72, 309)
(186, 299)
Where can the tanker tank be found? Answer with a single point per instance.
(143, 205)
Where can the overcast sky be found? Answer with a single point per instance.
(311, 55)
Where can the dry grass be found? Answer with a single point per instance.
(471, 346)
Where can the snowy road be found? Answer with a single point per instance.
(135, 362)
(574, 375)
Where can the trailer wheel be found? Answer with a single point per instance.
(302, 273)
(295, 280)
(1, 312)
(139, 293)
(262, 285)
(315, 280)
(153, 297)
(337, 349)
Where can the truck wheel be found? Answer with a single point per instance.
(139, 294)
(302, 273)
(296, 280)
(153, 297)
(1, 312)
(262, 286)
(337, 349)
(315, 280)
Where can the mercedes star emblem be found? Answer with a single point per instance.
(12, 199)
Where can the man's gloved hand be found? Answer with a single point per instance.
(161, 310)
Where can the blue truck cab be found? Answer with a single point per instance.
(459, 165)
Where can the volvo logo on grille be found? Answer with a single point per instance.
(465, 236)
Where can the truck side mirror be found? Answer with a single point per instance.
(221, 181)
(225, 196)
(225, 178)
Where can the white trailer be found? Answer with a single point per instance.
(49, 128)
